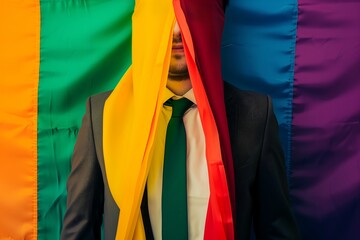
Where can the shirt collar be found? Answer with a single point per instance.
(169, 94)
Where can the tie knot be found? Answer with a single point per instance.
(179, 106)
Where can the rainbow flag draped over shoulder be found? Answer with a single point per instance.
(132, 111)
(304, 53)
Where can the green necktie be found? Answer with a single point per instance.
(174, 194)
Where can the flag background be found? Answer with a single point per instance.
(305, 54)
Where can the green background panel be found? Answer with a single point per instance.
(85, 49)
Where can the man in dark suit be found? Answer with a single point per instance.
(261, 191)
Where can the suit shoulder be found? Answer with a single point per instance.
(97, 103)
(248, 103)
(100, 98)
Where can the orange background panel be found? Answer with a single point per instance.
(19, 68)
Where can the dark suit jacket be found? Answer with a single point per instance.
(260, 180)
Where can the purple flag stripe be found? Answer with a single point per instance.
(326, 120)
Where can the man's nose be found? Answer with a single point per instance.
(177, 32)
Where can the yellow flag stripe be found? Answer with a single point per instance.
(131, 113)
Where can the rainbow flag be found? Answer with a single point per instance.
(305, 54)
(54, 54)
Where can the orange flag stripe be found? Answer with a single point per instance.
(19, 67)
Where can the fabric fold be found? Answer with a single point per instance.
(131, 116)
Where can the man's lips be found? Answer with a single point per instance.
(177, 48)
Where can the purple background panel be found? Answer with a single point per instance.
(325, 184)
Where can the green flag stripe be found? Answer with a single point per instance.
(84, 49)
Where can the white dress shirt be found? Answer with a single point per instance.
(198, 190)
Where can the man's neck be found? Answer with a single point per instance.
(179, 87)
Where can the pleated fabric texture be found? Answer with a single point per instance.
(220, 209)
(131, 116)
(205, 20)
